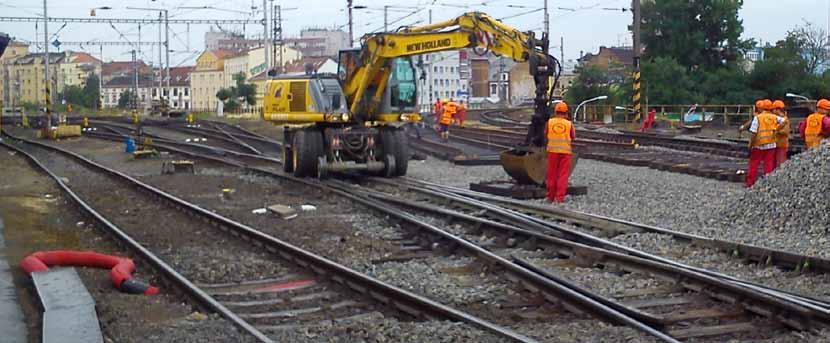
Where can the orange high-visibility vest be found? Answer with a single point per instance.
(767, 125)
(559, 135)
(449, 112)
(812, 131)
(782, 137)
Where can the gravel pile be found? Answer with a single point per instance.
(446, 173)
(450, 279)
(194, 329)
(787, 210)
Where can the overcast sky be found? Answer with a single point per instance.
(584, 24)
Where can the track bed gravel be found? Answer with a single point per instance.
(39, 218)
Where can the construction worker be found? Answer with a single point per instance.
(446, 119)
(782, 137)
(649, 121)
(560, 133)
(817, 125)
(462, 113)
(762, 143)
(437, 108)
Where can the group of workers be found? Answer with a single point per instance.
(448, 112)
(770, 129)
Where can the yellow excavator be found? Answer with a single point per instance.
(354, 120)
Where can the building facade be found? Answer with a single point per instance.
(207, 78)
(442, 75)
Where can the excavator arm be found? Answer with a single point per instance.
(364, 75)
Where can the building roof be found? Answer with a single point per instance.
(82, 57)
(129, 81)
(223, 53)
(121, 66)
(624, 55)
(54, 57)
(180, 76)
(299, 66)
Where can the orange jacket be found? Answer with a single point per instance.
(559, 132)
(812, 130)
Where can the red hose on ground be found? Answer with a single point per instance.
(120, 273)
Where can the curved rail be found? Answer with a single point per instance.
(405, 301)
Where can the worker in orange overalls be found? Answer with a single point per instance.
(782, 137)
(817, 125)
(763, 128)
(448, 112)
(560, 133)
(462, 113)
(437, 107)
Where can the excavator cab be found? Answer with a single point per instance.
(398, 100)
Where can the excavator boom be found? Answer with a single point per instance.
(365, 73)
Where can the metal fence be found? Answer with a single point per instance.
(682, 114)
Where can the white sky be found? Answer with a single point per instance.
(584, 29)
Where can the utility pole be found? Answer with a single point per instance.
(167, 54)
(386, 18)
(101, 79)
(351, 24)
(562, 50)
(635, 8)
(266, 44)
(134, 97)
(547, 20)
(278, 32)
(430, 16)
(46, 70)
(161, 64)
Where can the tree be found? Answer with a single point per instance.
(243, 93)
(697, 34)
(125, 99)
(811, 44)
(594, 81)
(668, 82)
(92, 92)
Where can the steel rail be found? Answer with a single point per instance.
(575, 298)
(165, 269)
(774, 299)
(593, 220)
(405, 301)
(564, 232)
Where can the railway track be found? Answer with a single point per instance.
(693, 298)
(531, 283)
(302, 288)
(756, 306)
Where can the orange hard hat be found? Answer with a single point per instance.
(778, 105)
(561, 107)
(767, 104)
(823, 104)
(759, 105)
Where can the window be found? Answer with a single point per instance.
(452, 69)
(494, 89)
(434, 69)
(175, 92)
(437, 95)
(435, 82)
(186, 91)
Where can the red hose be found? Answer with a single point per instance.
(121, 267)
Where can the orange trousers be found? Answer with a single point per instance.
(556, 180)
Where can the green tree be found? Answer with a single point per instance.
(92, 92)
(595, 81)
(698, 34)
(125, 98)
(668, 82)
(242, 93)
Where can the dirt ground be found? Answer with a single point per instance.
(39, 218)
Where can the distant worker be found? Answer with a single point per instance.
(782, 137)
(762, 143)
(649, 121)
(817, 125)
(462, 113)
(437, 108)
(560, 133)
(446, 119)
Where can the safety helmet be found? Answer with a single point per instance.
(561, 107)
(778, 105)
(759, 105)
(823, 104)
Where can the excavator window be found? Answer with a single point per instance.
(402, 83)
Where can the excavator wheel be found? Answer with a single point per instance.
(307, 147)
(395, 143)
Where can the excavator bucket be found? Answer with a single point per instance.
(529, 166)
